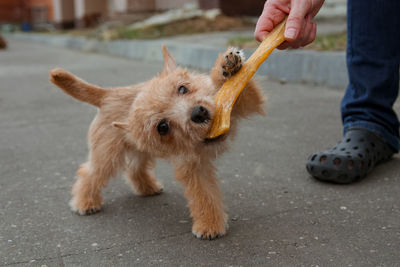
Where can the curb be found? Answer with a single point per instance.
(297, 66)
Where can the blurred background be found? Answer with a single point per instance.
(150, 19)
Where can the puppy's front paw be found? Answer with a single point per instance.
(150, 189)
(203, 231)
(234, 59)
(84, 207)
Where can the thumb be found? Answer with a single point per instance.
(296, 19)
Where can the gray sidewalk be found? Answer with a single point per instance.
(278, 215)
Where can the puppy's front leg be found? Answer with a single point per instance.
(205, 199)
(227, 65)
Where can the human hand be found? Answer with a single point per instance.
(300, 29)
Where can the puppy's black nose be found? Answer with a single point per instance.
(200, 115)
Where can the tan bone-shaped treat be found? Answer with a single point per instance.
(231, 89)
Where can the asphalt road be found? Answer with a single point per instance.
(279, 216)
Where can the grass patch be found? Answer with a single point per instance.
(329, 42)
(184, 27)
(243, 42)
(324, 42)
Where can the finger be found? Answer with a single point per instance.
(316, 7)
(313, 33)
(263, 27)
(271, 16)
(284, 45)
(296, 19)
(305, 39)
(294, 44)
(300, 37)
(311, 30)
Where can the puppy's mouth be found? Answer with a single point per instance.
(214, 140)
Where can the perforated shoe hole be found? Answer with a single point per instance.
(372, 144)
(322, 159)
(350, 165)
(337, 161)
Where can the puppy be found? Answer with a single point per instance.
(169, 117)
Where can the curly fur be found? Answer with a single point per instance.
(124, 136)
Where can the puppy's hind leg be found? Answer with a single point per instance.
(138, 173)
(86, 191)
(92, 177)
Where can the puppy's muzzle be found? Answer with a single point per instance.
(200, 115)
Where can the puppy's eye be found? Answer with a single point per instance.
(182, 90)
(163, 127)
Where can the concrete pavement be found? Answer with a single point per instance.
(278, 215)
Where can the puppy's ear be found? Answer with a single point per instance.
(120, 125)
(169, 61)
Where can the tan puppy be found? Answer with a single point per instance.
(168, 117)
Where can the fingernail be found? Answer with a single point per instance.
(290, 33)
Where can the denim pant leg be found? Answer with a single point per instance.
(373, 57)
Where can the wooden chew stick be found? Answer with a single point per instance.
(231, 89)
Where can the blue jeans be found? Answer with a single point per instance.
(373, 57)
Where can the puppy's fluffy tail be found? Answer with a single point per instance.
(77, 88)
